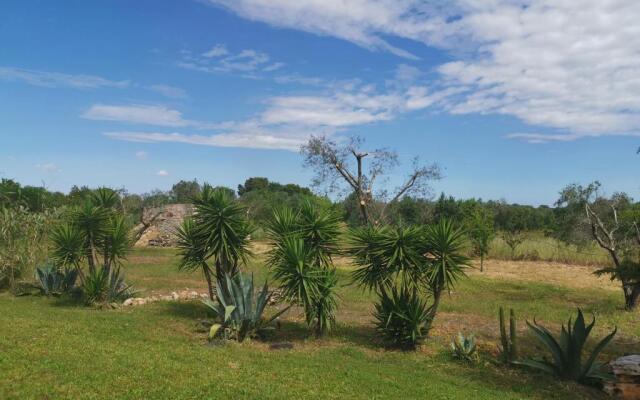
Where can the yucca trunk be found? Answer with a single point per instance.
(207, 277)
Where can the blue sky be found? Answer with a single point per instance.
(514, 99)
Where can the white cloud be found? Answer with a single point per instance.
(162, 172)
(169, 91)
(49, 168)
(216, 51)
(141, 155)
(137, 114)
(572, 66)
(248, 63)
(56, 79)
(257, 138)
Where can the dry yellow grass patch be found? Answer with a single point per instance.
(573, 276)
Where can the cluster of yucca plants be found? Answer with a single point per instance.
(301, 260)
(215, 240)
(93, 240)
(409, 268)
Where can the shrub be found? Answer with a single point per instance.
(402, 318)
(22, 243)
(567, 352)
(239, 310)
(464, 347)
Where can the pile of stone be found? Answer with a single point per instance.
(187, 294)
(627, 383)
(158, 225)
(174, 296)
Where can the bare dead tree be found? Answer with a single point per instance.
(335, 164)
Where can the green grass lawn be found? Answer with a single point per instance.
(50, 349)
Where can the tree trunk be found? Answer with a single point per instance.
(631, 295)
(207, 276)
(481, 262)
(437, 294)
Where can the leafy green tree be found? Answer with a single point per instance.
(480, 228)
(216, 238)
(257, 183)
(185, 191)
(612, 222)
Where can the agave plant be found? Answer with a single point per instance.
(567, 352)
(464, 347)
(402, 317)
(53, 281)
(239, 309)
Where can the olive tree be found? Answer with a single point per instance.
(337, 165)
(613, 223)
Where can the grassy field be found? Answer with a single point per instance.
(51, 349)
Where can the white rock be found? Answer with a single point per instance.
(627, 365)
(128, 302)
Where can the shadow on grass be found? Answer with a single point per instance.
(191, 310)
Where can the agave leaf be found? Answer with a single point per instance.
(228, 312)
(548, 340)
(539, 365)
(590, 367)
(213, 331)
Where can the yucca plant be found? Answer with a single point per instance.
(567, 352)
(464, 347)
(106, 286)
(301, 261)
(95, 234)
(52, 281)
(402, 317)
(417, 263)
(239, 309)
(216, 238)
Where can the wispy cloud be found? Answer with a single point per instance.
(137, 114)
(162, 172)
(56, 79)
(566, 65)
(248, 62)
(251, 138)
(287, 121)
(168, 91)
(141, 155)
(49, 168)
